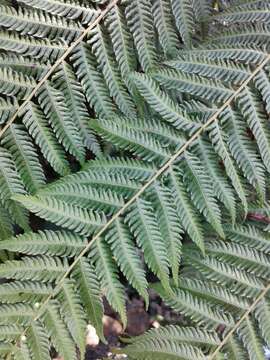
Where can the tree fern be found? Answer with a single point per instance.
(135, 138)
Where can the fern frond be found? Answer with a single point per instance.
(240, 281)
(86, 197)
(130, 168)
(247, 54)
(189, 218)
(92, 81)
(71, 9)
(120, 240)
(143, 223)
(221, 187)
(250, 236)
(47, 242)
(63, 214)
(216, 293)
(100, 179)
(37, 23)
(261, 314)
(248, 334)
(5, 225)
(142, 144)
(245, 14)
(57, 331)
(256, 119)
(38, 341)
(262, 83)
(10, 332)
(169, 223)
(40, 268)
(179, 334)
(199, 310)
(158, 349)
(218, 69)
(20, 145)
(11, 184)
(107, 273)
(36, 123)
(184, 19)
(140, 22)
(101, 47)
(240, 256)
(243, 151)
(164, 23)
(235, 349)
(65, 80)
(58, 115)
(257, 34)
(21, 291)
(23, 64)
(7, 108)
(161, 102)
(219, 141)
(199, 186)
(15, 83)
(90, 292)
(122, 42)
(208, 89)
(26, 45)
(73, 313)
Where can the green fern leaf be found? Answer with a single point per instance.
(124, 251)
(164, 24)
(142, 144)
(199, 186)
(15, 83)
(89, 290)
(70, 9)
(5, 225)
(36, 123)
(221, 187)
(58, 332)
(257, 121)
(107, 273)
(161, 102)
(142, 220)
(189, 218)
(63, 214)
(56, 111)
(184, 18)
(219, 140)
(26, 45)
(248, 334)
(11, 184)
(199, 310)
(20, 145)
(65, 80)
(170, 227)
(38, 341)
(37, 23)
(122, 42)
(92, 81)
(7, 108)
(100, 44)
(73, 313)
(47, 242)
(207, 89)
(40, 268)
(140, 22)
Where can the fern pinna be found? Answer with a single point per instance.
(135, 137)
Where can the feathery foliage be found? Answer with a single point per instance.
(134, 137)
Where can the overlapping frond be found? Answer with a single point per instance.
(138, 153)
